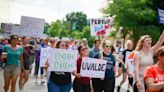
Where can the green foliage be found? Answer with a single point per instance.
(64, 28)
(136, 16)
(77, 20)
(58, 29)
(46, 27)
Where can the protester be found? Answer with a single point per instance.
(53, 42)
(106, 84)
(73, 45)
(154, 74)
(44, 43)
(96, 49)
(26, 64)
(125, 55)
(85, 43)
(1, 47)
(144, 58)
(60, 81)
(81, 84)
(14, 55)
(119, 55)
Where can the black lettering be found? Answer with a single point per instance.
(83, 66)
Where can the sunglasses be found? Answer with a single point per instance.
(63, 45)
(15, 38)
(83, 49)
(52, 41)
(108, 46)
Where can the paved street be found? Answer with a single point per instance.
(31, 86)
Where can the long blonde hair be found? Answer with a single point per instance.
(140, 41)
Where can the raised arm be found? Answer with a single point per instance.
(159, 43)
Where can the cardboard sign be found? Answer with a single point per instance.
(62, 60)
(31, 27)
(100, 26)
(94, 68)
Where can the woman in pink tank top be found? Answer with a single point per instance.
(144, 58)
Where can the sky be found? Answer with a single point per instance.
(50, 10)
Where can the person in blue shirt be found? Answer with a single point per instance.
(96, 48)
(106, 84)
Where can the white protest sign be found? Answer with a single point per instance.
(31, 27)
(62, 60)
(44, 56)
(94, 68)
(15, 30)
(7, 28)
(100, 26)
(127, 56)
(161, 16)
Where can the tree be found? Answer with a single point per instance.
(138, 17)
(56, 28)
(46, 27)
(77, 20)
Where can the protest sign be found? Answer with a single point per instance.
(100, 26)
(15, 30)
(127, 56)
(161, 16)
(94, 68)
(62, 60)
(31, 27)
(44, 56)
(6, 29)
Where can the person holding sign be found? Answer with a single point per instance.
(60, 81)
(13, 55)
(25, 65)
(144, 58)
(81, 84)
(107, 84)
(52, 45)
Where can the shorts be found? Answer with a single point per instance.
(120, 65)
(123, 69)
(11, 70)
(130, 81)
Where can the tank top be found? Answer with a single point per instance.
(145, 61)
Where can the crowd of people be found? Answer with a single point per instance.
(19, 53)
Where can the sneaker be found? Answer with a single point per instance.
(42, 82)
(118, 88)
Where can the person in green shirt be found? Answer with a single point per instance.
(14, 55)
